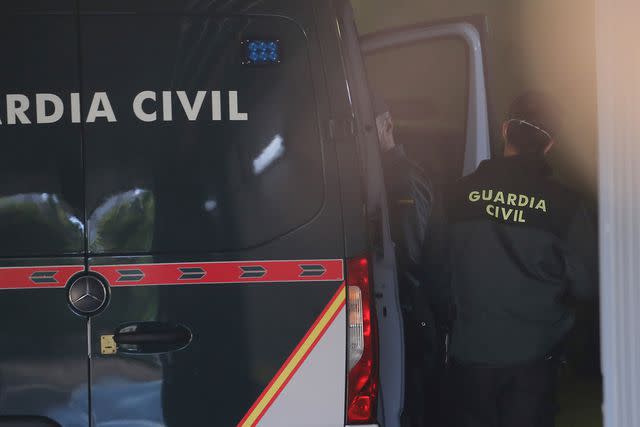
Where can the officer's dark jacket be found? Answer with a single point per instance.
(416, 222)
(415, 217)
(410, 199)
(520, 245)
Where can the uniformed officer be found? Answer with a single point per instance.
(521, 246)
(414, 220)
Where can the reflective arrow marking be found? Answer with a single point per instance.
(191, 273)
(44, 277)
(210, 273)
(37, 277)
(255, 271)
(312, 270)
(130, 275)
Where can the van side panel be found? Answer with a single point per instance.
(43, 345)
(214, 204)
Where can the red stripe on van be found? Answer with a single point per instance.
(221, 272)
(55, 276)
(295, 360)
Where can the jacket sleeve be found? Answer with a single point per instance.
(412, 210)
(581, 254)
(410, 202)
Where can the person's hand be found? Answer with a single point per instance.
(384, 123)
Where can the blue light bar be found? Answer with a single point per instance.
(262, 51)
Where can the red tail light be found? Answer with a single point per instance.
(362, 390)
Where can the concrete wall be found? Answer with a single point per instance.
(533, 44)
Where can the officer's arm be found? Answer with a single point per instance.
(582, 254)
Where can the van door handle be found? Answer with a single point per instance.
(151, 337)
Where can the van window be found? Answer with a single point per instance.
(222, 155)
(426, 87)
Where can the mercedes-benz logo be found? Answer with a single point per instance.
(87, 295)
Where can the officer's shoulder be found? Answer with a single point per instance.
(466, 181)
(457, 190)
(565, 196)
(562, 189)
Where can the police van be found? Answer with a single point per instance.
(193, 222)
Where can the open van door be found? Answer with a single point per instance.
(433, 77)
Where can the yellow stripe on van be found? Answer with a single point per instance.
(295, 360)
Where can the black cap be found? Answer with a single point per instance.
(536, 108)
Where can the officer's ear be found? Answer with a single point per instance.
(508, 149)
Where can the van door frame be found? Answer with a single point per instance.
(387, 299)
(478, 141)
(477, 149)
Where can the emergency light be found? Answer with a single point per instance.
(260, 52)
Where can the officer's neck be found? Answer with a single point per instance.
(510, 151)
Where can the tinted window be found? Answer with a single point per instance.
(426, 87)
(227, 177)
(41, 193)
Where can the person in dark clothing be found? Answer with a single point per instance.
(521, 246)
(414, 213)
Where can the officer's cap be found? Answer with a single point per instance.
(538, 109)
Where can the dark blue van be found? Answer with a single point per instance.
(193, 223)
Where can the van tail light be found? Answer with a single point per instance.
(362, 388)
